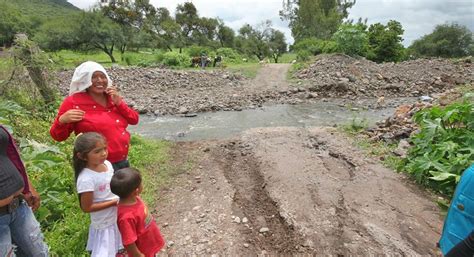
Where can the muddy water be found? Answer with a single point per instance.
(225, 124)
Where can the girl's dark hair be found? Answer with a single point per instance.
(125, 181)
(82, 146)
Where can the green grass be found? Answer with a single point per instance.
(71, 59)
(379, 149)
(287, 58)
(248, 70)
(153, 159)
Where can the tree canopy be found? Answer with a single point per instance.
(447, 40)
(315, 18)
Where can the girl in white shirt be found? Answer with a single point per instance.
(93, 174)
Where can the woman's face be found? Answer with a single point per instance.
(99, 83)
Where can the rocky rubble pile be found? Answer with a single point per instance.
(165, 91)
(398, 126)
(343, 76)
(162, 91)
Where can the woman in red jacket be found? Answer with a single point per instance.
(95, 105)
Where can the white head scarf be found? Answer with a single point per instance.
(82, 78)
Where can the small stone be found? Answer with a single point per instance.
(170, 243)
(245, 220)
(246, 245)
(187, 238)
(264, 229)
(237, 220)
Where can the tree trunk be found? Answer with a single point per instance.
(112, 58)
(46, 92)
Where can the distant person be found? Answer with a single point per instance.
(18, 198)
(457, 238)
(95, 105)
(140, 234)
(203, 60)
(93, 174)
(217, 61)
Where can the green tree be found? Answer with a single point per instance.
(315, 18)
(11, 22)
(254, 41)
(225, 35)
(385, 42)
(277, 44)
(205, 32)
(58, 33)
(352, 39)
(187, 17)
(98, 32)
(447, 40)
(135, 18)
(166, 29)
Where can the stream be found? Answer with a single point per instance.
(226, 124)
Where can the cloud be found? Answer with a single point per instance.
(418, 17)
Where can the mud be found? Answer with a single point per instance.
(287, 191)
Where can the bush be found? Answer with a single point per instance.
(176, 59)
(303, 55)
(329, 47)
(198, 50)
(312, 45)
(444, 147)
(229, 54)
(352, 40)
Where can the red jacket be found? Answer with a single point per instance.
(14, 156)
(110, 121)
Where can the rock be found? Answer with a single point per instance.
(426, 98)
(264, 230)
(183, 110)
(245, 220)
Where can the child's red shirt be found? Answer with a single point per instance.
(136, 224)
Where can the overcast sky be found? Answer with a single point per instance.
(418, 17)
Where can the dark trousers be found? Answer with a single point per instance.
(120, 165)
(464, 248)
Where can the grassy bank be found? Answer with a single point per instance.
(440, 151)
(48, 164)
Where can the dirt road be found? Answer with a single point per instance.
(286, 191)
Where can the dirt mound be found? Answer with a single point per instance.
(344, 76)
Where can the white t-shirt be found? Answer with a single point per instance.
(99, 183)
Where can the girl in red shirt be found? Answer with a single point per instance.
(94, 105)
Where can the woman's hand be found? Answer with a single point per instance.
(73, 115)
(32, 198)
(112, 91)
